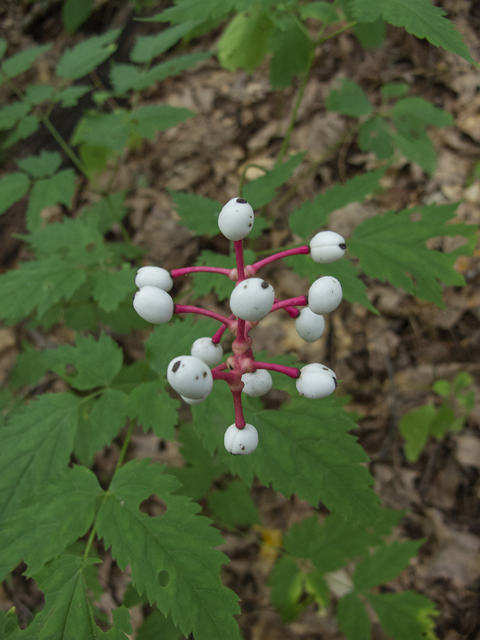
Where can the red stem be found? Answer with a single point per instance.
(237, 402)
(292, 311)
(300, 301)
(280, 368)
(217, 336)
(176, 273)
(304, 249)
(240, 261)
(186, 308)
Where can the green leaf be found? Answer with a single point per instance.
(154, 409)
(197, 213)
(313, 215)
(349, 100)
(10, 114)
(415, 428)
(106, 211)
(195, 10)
(372, 34)
(69, 237)
(148, 120)
(286, 583)
(385, 564)
(87, 55)
(374, 135)
(110, 288)
(109, 130)
(3, 47)
(41, 166)
(75, 12)
(419, 17)
(412, 266)
(97, 361)
(36, 445)
(24, 129)
(234, 505)
(291, 48)
(353, 619)
(70, 96)
(20, 62)
(410, 111)
(156, 626)
(148, 47)
(12, 188)
(442, 421)
(58, 515)
(405, 615)
(245, 41)
(419, 150)
(155, 549)
(259, 192)
(442, 387)
(394, 90)
(323, 11)
(59, 189)
(299, 452)
(103, 423)
(38, 284)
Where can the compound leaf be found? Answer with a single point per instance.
(25, 128)
(12, 188)
(110, 288)
(97, 361)
(61, 512)
(385, 564)
(263, 189)
(86, 56)
(20, 62)
(59, 189)
(148, 120)
(171, 556)
(66, 237)
(353, 618)
(404, 615)
(412, 266)
(36, 445)
(374, 135)
(41, 166)
(349, 100)
(312, 215)
(419, 149)
(70, 96)
(291, 48)
(154, 408)
(148, 47)
(197, 213)
(10, 114)
(234, 505)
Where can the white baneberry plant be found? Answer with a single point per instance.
(251, 300)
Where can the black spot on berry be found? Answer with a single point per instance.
(176, 366)
(204, 374)
(249, 225)
(335, 381)
(241, 201)
(264, 285)
(196, 378)
(243, 448)
(343, 246)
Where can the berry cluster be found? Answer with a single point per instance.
(252, 299)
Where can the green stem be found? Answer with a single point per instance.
(336, 33)
(66, 147)
(126, 442)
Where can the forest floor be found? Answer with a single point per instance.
(387, 363)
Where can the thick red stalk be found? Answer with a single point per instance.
(304, 249)
(300, 301)
(292, 372)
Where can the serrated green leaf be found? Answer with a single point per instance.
(109, 130)
(75, 12)
(20, 62)
(323, 11)
(128, 77)
(419, 17)
(305, 449)
(234, 505)
(41, 166)
(372, 34)
(187, 585)
(97, 361)
(353, 619)
(245, 41)
(291, 48)
(394, 90)
(38, 93)
(385, 564)
(10, 114)
(349, 100)
(148, 120)
(70, 236)
(154, 409)
(106, 211)
(412, 266)
(70, 96)
(59, 189)
(374, 135)
(36, 445)
(24, 129)
(87, 55)
(38, 285)
(419, 150)
(107, 416)
(148, 47)
(173, 67)
(156, 626)
(405, 615)
(12, 188)
(110, 288)
(415, 113)
(286, 583)
(197, 213)
(415, 427)
(195, 10)
(312, 215)
(259, 192)
(57, 516)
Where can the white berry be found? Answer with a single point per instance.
(236, 219)
(257, 383)
(316, 381)
(324, 295)
(310, 326)
(153, 305)
(252, 299)
(327, 246)
(154, 277)
(241, 442)
(190, 377)
(207, 351)
(192, 400)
